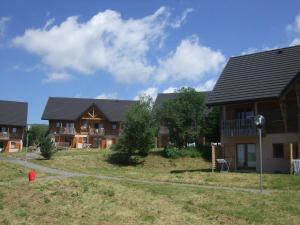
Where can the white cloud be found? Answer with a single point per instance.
(177, 23)
(294, 30)
(170, 90)
(107, 96)
(190, 61)
(57, 77)
(151, 91)
(105, 42)
(207, 86)
(3, 24)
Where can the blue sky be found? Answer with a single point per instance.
(120, 49)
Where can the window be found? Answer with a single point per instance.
(244, 114)
(3, 129)
(58, 124)
(14, 130)
(276, 114)
(114, 126)
(278, 151)
(85, 125)
(13, 144)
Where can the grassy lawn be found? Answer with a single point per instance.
(90, 201)
(156, 167)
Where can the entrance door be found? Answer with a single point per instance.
(246, 156)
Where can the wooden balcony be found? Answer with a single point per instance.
(238, 127)
(4, 136)
(97, 131)
(64, 130)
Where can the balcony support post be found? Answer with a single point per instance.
(283, 112)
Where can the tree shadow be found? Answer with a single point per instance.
(123, 159)
(191, 171)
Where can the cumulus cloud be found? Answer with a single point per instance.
(177, 23)
(207, 86)
(3, 25)
(170, 90)
(113, 95)
(107, 42)
(57, 77)
(294, 30)
(151, 91)
(190, 61)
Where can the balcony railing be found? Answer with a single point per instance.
(4, 135)
(96, 131)
(62, 144)
(65, 130)
(239, 127)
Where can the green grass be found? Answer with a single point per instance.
(155, 167)
(67, 201)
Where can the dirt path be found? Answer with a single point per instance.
(65, 174)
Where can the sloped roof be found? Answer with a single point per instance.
(72, 108)
(13, 113)
(257, 76)
(161, 97)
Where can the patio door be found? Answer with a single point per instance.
(246, 156)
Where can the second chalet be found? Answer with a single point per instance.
(13, 121)
(264, 83)
(85, 123)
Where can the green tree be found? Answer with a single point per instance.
(184, 116)
(212, 129)
(138, 134)
(37, 131)
(47, 147)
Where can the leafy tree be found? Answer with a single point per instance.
(37, 131)
(212, 125)
(47, 147)
(138, 129)
(184, 116)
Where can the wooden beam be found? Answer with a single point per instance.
(224, 112)
(213, 158)
(283, 112)
(255, 109)
(291, 158)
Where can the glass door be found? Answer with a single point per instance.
(246, 156)
(251, 155)
(241, 159)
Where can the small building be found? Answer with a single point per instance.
(80, 123)
(264, 83)
(163, 131)
(13, 121)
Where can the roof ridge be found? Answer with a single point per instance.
(270, 50)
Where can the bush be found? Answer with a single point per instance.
(206, 152)
(174, 153)
(47, 147)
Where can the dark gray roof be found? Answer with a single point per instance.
(257, 76)
(73, 108)
(161, 97)
(13, 113)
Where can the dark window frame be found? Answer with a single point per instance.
(280, 148)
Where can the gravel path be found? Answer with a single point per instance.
(65, 174)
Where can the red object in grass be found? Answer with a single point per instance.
(31, 175)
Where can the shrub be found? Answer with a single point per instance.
(175, 153)
(47, 147)
(206, 152)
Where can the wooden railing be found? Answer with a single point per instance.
(239, 127)
(62, 144)
(98, 131)
(4, 135)
(66, 130)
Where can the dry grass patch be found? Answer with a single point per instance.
(89, 201)
(156, 167)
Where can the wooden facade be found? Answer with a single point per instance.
(91, 130)
(280, 132)
(11, 138)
